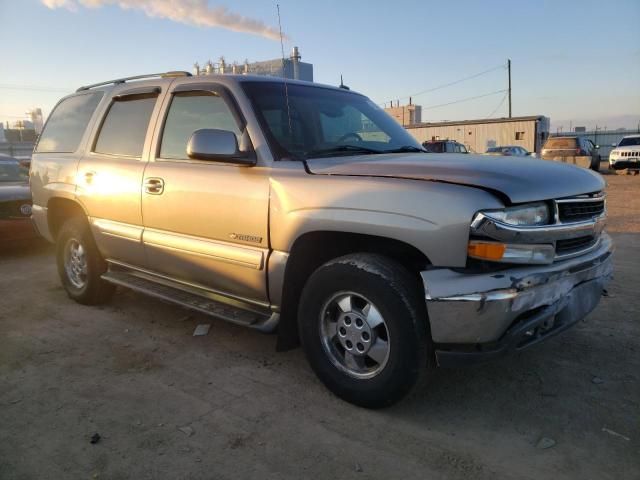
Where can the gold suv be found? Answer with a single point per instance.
(306, 209)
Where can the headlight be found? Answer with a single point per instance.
(614, 152)
(523, 215)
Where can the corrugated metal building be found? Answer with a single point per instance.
(479, 135)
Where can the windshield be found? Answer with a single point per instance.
(11, 172)
(324, 122)
(629, 142)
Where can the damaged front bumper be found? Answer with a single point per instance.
(475, 317)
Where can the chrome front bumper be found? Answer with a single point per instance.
(475, 309)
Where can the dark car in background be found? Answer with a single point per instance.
(15, 202)
(579, 151)
(508, 151)
(444, 146)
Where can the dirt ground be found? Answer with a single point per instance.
(227, 406)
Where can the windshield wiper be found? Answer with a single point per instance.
(341, 149)
(405, 149)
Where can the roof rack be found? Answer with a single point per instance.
(137, 77)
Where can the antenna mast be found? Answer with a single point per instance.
(284, 73)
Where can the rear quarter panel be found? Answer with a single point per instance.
(53, 175)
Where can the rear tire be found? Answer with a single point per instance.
(80, 264)
(364, 329)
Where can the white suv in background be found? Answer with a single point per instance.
(626, 154)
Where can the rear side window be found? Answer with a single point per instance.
(561, 143)
(191, 111)
(67, 123)
(125, 126)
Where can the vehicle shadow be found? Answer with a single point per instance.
(25, 248)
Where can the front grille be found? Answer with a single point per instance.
(569, 211)
(564, 247)
(630, 154)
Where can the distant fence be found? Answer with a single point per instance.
(17, 149)
(605, 138)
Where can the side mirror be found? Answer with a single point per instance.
(218, 146)
(614, 145)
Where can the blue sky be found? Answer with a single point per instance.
(574, 61)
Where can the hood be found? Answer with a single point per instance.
(520, 179)
(14, 191)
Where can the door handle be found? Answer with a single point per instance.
(154, 186)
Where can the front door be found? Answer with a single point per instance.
(109, 176)
(206, 223)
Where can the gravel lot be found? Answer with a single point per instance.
(170, 405)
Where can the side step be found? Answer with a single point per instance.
(190, 298)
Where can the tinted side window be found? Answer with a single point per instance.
(191, 111)
(125, 126)
(67, 123)
(450, 148)
(437, 147)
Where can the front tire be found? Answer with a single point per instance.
(80, 264)
(364, 329)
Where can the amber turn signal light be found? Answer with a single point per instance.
(486, 250)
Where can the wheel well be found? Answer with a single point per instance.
(313, 249)
(60, 210)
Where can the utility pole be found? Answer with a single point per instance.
(509, 73)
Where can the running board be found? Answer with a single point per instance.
(189, 298)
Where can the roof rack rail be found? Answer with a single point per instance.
(136, 77)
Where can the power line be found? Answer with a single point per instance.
(470, 77)
(464, 100)
(455, 82)
(36, 88)
(499, 105)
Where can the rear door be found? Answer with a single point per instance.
(109, 179)
(206, 223)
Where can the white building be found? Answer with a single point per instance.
(36, 119)
(291, 67)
